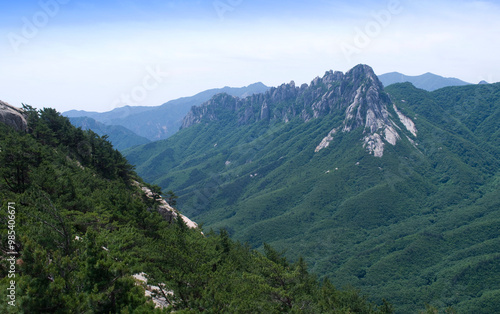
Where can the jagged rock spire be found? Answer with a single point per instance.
(358, 94)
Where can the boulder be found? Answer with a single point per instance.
(12, 116)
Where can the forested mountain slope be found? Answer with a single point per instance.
(76, 224)
(395, 191)
(121, 137)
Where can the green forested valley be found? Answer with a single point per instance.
(76, 225)
(418, 226)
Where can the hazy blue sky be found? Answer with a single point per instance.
(99, 55)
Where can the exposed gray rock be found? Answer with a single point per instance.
(369, 110)
(358, 93)
(264, 111)
(407, 122)
(12, 116)
(285, 101)
(166, 211)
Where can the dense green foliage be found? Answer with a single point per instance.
(417, 226)
(83, 227)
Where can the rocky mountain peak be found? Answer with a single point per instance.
(12, 116)
(331, 76)
(368, 108)
(357, 94)
(360, 72)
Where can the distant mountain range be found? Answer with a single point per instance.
(427, 81)
(393, 190)
(118, 135)
(160, 122)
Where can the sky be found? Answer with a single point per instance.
(101, 55)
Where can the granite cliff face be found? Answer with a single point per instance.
(358, 94)
(12, 116)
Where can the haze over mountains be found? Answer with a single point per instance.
(427, 81)
(393, 190)
(119, 136)
(156, 123)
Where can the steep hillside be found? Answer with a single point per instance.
(395, 191)
(80, 232)
(156, 123)
(427, 81)
(121, 137)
